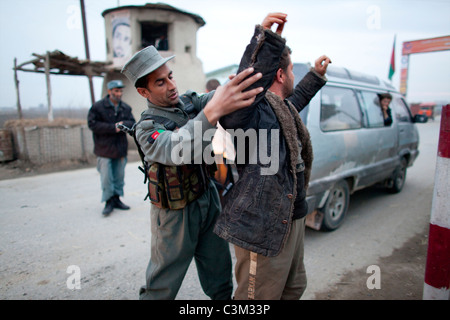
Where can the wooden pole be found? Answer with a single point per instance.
(49, 88)
(16, 82)
(86, 46)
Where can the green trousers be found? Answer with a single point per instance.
(178, 236)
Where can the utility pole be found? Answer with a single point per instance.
(16, 82)
(49, 87)
(86, 45)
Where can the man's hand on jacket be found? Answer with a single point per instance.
(231, 96)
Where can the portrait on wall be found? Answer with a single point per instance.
(121, 37)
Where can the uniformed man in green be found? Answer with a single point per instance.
(185, 202)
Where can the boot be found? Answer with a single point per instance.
(109, 207)
(119, 204)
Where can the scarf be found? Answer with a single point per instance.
(293, 129)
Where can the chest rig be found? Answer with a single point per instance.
(174, 187)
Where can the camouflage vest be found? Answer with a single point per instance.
(174, 187)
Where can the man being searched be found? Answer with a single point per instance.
(111, 144)
(185, 202)
(264, 213)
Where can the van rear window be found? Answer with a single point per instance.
(339, 109)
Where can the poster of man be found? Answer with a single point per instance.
(121, 37)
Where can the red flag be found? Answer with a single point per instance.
(392, 66)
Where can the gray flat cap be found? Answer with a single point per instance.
(143, 62)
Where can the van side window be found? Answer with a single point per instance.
(339, 109)
(372, 109)
(400, 109)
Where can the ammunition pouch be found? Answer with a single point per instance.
(174, 187)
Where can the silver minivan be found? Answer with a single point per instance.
(353, 149)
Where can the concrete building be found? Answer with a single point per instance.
(172, 31)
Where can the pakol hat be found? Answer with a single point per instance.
(143, 62)
(115, 84)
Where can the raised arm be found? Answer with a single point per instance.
(311, 83)
(263, 54)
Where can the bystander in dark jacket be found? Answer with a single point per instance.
(111, 144)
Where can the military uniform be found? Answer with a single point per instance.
(185, 202)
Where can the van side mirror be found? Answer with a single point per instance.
(420, 118)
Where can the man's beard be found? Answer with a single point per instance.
(287, 91)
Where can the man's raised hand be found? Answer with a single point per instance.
(321, 65)
(272, 18)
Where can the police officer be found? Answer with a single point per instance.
(185, 202)
(110, 144)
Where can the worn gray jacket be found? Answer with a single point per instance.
(258, 211)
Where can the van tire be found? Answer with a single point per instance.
(336, 206)
(398, 178)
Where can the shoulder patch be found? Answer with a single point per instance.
(155, 135)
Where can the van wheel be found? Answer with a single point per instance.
(398, 179)
(336, 207)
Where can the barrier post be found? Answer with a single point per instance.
(437, 271)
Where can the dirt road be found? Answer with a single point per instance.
(52, 223)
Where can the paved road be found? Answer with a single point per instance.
(53, 221)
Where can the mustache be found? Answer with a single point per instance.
(172, 92)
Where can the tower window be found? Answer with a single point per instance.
(155, 34)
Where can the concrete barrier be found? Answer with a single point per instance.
(437, 271)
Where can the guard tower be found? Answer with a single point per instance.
(172, 31)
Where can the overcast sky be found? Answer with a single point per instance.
(358, 35)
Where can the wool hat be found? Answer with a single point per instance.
(143, 62)
(115, 84)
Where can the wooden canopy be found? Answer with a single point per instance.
(62, 64)
(58, 63)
